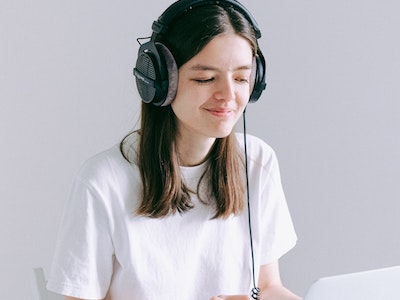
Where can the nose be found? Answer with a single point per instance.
(225, 89)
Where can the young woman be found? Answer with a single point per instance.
(164, 215)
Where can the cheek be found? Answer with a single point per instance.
(244, 97)
(189, 97)
(178, 104)
(177, 108)
(183, 104)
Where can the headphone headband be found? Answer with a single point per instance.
(181, 7)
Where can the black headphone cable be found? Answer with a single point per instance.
(255, 292)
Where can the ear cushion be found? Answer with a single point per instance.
(258, 76)
(172, 71)
(253, 75)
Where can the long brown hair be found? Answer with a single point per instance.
(164, 191)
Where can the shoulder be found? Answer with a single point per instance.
(104, 168)
(257, 150)
(111, 162)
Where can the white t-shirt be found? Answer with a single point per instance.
(105, 250)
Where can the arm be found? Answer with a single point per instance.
(270, 284)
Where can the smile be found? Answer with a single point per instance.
(220, 112)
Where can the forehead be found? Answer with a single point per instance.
(224, 51)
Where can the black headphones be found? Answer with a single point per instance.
(156, 71)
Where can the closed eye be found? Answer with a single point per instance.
(204, 81)
(243, 80)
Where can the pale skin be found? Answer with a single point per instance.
(270, 285)
(213, 91)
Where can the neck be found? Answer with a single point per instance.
(193, 151)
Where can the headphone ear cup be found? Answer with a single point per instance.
(151, 77)
(156, 74)
(258, 77)
(172, 73)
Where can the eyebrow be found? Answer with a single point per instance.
(200, 67)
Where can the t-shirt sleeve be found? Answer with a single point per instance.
(83, 260)
(277, 233)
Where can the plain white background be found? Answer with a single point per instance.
(331, 112)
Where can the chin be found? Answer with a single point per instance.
(221, 134)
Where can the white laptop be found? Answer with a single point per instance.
(380, 284)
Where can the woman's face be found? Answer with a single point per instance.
(213, 88)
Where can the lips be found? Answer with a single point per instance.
(220, 112)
